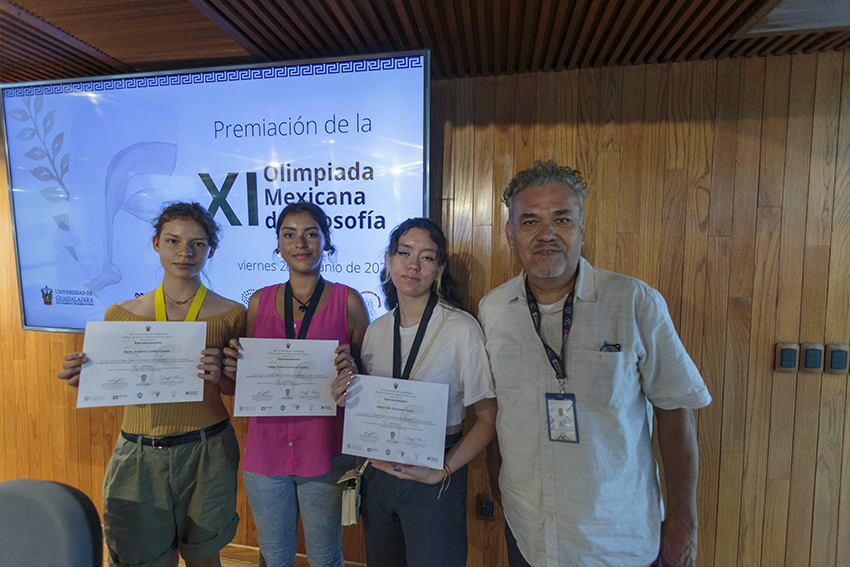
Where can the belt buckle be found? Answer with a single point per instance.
(157, 443)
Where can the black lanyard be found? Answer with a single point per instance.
(555, 360)
(417, 340)
(308, 316)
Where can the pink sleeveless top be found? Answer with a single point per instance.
(300, 446)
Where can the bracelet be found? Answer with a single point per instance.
(447, 479)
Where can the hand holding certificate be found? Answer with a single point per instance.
(396, 420)
(278, 377)
(141, 362)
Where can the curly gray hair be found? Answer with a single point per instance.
(542, 174)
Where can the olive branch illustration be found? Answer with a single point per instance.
(41, 129)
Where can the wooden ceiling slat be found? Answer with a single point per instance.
(511, 24)
(466, 37)
(413, 41)
(589, 23)
(700, 26)
(274, 14)
(437, 30)
(383, 39)
(247, 21)
(558, 36)
(603, 29)
(346, 24)
(226, 25)
(355, 16)
(673, 32)
(483, 49)
(456, 45)
(543, 23)
(385, 15)
(652, 50)
(605, 56)
(497, 37)
(726, 27)
(656, 13)
(469, 30)
(569, 44)
(625, 38)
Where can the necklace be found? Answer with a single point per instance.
(303, 307)
(185, 301)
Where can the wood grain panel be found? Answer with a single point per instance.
(631, 150)
(824, 147)
(838, 301)
(746, 178)
(566, 134)
(801, 502)
(678, 113)
(728, 509)
(610, 107)
(652, 171)
(775, 122)
(546, 113)
(828, 472)
(587, 143)
(485, 138)
(725, 146)
(700, 147)
(604, 234)
(671, 256)
(503, 172)
(710, 419)
(759, 385)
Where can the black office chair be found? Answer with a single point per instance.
(44, 523)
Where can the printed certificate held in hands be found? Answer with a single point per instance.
(279, 377)
(141, 362)
(402, 421)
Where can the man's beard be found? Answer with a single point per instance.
(551, 267)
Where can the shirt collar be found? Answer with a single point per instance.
(585, 287)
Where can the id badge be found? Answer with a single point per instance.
(563, 426)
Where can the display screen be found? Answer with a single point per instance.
(92, 162)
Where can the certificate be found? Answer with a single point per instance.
(403, 421)
(141, 362)
(285, 377)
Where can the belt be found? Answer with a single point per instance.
(172, 440)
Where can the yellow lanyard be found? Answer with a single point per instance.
(159, 304)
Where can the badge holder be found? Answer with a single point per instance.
(563, 425)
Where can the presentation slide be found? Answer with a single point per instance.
(92, 162)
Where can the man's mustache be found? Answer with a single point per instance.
(548, 248)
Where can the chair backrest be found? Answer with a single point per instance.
(48, 523)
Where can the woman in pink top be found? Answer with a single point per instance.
(291, 464)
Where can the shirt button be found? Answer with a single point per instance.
(290, 443)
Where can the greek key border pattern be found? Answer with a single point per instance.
(307, 70)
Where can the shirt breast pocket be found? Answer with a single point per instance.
(608, 378)
(506, 363)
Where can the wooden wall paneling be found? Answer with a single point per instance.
(628, 254)
(824, 147)
(671, 256)
(445, 190)
(727, 97)
(436, 163)
(545, 116)
(710, 419)
(631, 153)
(838, 300)
(503, 172)
(588, 155)
(735, 379)
(482, 189)
(603, 233)
(524, 150)
(460, 240)
(678, 113)
(40, 413)
(760, 372)
(806, 418)
(610, 108)
(700, 147)
(828, 473)
(652, 171)
(774, 126)
(566, 133)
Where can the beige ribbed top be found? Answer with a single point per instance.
(181, 417)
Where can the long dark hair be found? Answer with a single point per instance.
(445, 285)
